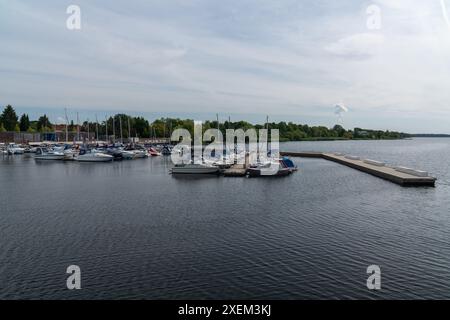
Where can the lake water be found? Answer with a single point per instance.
(139, 233)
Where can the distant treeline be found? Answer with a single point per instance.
(126, 126)
(430, 135)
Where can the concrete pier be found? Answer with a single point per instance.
(236, 170)
(376, 169)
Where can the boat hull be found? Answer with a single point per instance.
(267, 172)
(95, 158)
(50, 157)
(195, 170)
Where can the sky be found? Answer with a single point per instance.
(387, 61)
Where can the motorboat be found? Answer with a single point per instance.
(138, 154)
(166, 150)
(288, 163)
(127, 155)
(268, 169)
(137, 151)
(93, 156)
(195, 168)
(15, 149)
(153, 152)
(67, 150)
(116, 153)
(48, 154)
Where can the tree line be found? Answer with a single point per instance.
(130, 126)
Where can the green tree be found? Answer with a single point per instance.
(43, 123)
(17, 128)
(2, 128)
(9, 118)
(339, 130)
(24, 122)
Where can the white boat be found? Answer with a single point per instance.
(139, 154)
(69, 153)
(93, 156)
(127, 155)
(269, 169)
(46, 154)
(15, 149)
(194, 168)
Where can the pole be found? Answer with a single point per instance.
(78, 128)
(96, 128)
(89, 132)
(106, 128)
(67, 123)
(129, 130)
(121, 134)
(114, 129)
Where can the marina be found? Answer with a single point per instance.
(401, 175)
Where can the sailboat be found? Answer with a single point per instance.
(271, 168)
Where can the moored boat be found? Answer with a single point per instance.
(153, 152)
(15, 149)
(269, 169)
(48, 154)
(195, 168)
(93, 156)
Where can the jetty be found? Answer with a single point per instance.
(236, 170)
(403, 176)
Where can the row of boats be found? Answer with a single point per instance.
(99, 153)
(275, 167)
(107, 153)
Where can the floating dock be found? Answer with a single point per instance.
(236, 170)
(375, 168)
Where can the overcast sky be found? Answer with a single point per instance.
(291, 59)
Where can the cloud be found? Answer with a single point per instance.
(361, 45)
(285, 58)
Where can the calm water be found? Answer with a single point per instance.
(137, 232)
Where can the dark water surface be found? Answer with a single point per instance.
(138, 232)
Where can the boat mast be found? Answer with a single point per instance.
(106, 128)
(129, 130)
(114, 129)
(96, 128)
(67, 123)
(78, 128)
(121, 133)
(89, 131)
(267, 124)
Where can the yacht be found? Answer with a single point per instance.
(166, 150)
(67, 150)
(153, 152)
(15, 149)
(140, 154)
(137, 151)
(47, 154)
(268, 169)
(93, 156)
(127, 155)
(193, 168)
